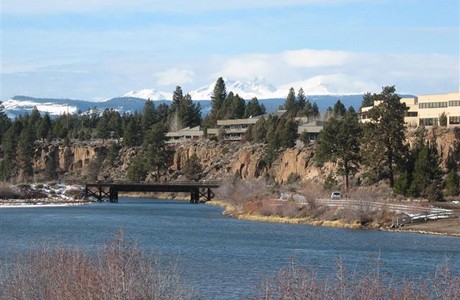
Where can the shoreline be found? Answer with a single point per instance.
(229, 210)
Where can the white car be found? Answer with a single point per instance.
(336, 195)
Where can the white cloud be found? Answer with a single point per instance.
(347, 72)
(175, 77)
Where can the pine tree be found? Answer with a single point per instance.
(137, 170)
(339, 142)
(5, 122)
(367, 100)
(339, 109)
(44, 128)
(289, 133)
(426, 175)
(254, 108)
(291, 104)
(452, 183)
(157, 156)
(25, 152)
(149, 115)
(192, 168)
(385, 134)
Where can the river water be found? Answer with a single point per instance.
(221, 257)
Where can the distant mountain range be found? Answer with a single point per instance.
(268, 94)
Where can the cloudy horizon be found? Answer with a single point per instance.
(97, 50)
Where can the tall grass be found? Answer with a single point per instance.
(119, 270)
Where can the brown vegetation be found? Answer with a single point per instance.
(118, 271)
(256, 200)
(300, 282)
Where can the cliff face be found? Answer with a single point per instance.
(218, 160)
(71, 158)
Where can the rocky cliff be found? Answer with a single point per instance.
(79, 160)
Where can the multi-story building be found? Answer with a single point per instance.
(427, 109)
(431, 107)
(233, 129)
(184, 134)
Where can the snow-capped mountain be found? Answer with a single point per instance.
(151, 94)
(325, 90)
(331, 84)
(259, 87)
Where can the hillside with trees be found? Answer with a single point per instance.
(347, 154)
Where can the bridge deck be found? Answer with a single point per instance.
(110, 190)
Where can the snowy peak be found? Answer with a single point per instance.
(151, 94)
(259, 87)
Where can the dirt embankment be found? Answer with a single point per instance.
(442, 227)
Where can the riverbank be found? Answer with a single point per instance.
(448, 227)
(34, 195)
(231, 211)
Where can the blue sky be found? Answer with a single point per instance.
(95, 50)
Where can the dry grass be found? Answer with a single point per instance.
(367, 283)
(118, 271)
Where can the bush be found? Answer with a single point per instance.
(293, 178)
(300, 282)
(7, 191)
(117, 271)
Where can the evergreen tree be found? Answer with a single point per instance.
(426, 175)
(367, 100)
(112, 154)
(384, 135)
(156, 154)
(452, 183)
(339, 109)
(149, 115)
(132, 132)
(254, 108)
(443, 120)
(25, 152)
(162, 114)
(192, 168)
(259, 131)
(5, 122)
(291, 104)
(217, 103)
(289, 133)
(137, 170)
(44, 128)
(301, 101)
(174, 116)
(339, 142)
(51, 165)
(10, 141)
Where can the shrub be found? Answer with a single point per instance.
(7, 191)
(301, 282)
(117, 271)
(293, 178)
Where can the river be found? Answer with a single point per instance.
(221, 257)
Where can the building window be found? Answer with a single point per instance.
(454, 120)
(411, 114)
(433, 104)
(454, 103)
(429, 121)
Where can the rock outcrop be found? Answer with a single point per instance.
(218, 160)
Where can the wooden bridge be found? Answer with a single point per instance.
(199, 191)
